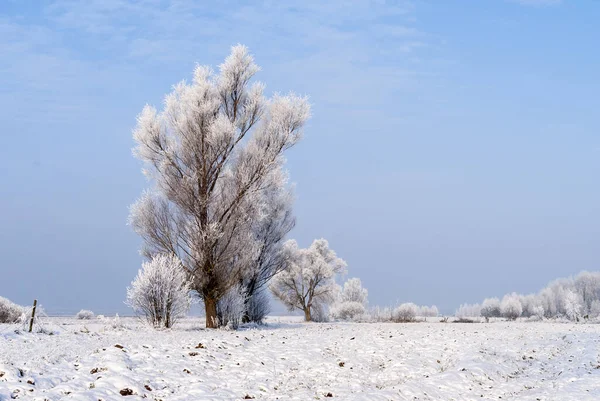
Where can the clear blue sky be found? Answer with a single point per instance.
(454, 151)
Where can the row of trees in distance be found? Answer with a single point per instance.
(572, 298)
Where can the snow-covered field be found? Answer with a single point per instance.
(295, 361)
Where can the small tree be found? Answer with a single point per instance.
(595, 309)
(428, 311)
(406, 312)
(230, 307)
(572, 305)
(309, 281)
(511, 307)
(379, 314)
(537, 312)
(85, 314)
(347, 310)
(490, 308)
(160, 291)
(353, 291)
(468, 310)
(257, 307)
(352, 301)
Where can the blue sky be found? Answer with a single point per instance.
(453, 153)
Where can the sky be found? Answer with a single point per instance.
(453, 153)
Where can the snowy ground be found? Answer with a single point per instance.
(296, 361)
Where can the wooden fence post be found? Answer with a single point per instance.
(32, 315)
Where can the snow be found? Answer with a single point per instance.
(291, 360)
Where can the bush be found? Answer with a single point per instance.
(351, 303)
(111, 324)
(319, 313)
(572, 305)
(490, 308)
(160, 291)
(347, 310)
(428, 311)
(537, 312)
(379, 314)
(257, 307)
(85, 314)
(9, 311)
(511, 307)
(354, 292)
(463, 320)
(406, 312)
(467, 310)
(230, 308)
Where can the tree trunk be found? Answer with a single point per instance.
(246, 317)
(210, 307)
(307, 317)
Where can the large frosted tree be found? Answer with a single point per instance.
(214, 154)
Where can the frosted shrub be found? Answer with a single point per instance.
(511, 307)
(406, 312)
(353, 291)
(85, 314)
(428, 311)
(347, 310)
(572, 305)
(230, 308)
(537, 312)
(379, 314)
(595, 309)
(160, 291)
(490, 308)
(468, 310)
(114, 324)
(9, 311)
(319, 313)
(352, 302)
(257, 307)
